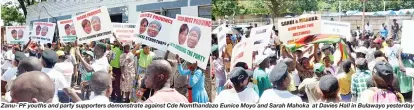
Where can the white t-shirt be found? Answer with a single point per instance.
(101, 65)
(9, 56)
(58, 79)
(100, 99)
(248, 95)
(66, 68)
(278, 96)
(9, 74)
(391, 54)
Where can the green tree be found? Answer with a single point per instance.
(24, 4)
(11, 14)
(226, 8)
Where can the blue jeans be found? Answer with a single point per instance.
(63, 98)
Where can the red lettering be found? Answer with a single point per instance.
(65, 21)
(83, 16)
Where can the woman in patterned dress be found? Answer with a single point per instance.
(128, 72)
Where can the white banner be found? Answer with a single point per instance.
(43, 32)
(67, 32)
(242, 52)
(336, 27)
(295, 28)
(221, 39)
(93, 25)
(125, 32)
(193, 45)
(260, 36)
(407, 36)
(154, 30)
(17, 34)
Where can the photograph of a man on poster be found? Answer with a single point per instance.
(154, 28)
(72, 29)
(44, 30)
(96, 23)
(14, 34)
(20, 34)
(182, 36)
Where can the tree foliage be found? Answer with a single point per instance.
(10, 14)
(24, 4)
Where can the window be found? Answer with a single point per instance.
(172, 12)
(204, 12)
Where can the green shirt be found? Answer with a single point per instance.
(116, 55)
(263, 82)
(144, 60)
(405, 82)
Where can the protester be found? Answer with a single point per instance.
(219, 71)
(310, 85)
(344, 80)
(196, 81)
(395, 29)
(159, 71)
(128, 72)
(280, 79)
(329, 87)
(33, 87)
(240, 92)
(86, 76)
(66, 68)
(49, 59)
(116, 70)
(359, 79)
(101, 85)
(260, 74)
(145, 57)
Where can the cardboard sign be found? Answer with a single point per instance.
(242, 52)
(191, 39)
(260, 36)
(221, 39)
(154, 30)
(219, 29)
(125, 32)
(43, 32)
(335, 27)
(17, 34)
(294, 28)
(93, 25)
(407, 36)
(67, 32)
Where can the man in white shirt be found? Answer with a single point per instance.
(38, 87)
(11, 72)
(391, 52)
(49, 59)
(101, 85)
(368, 28)
(239, 93)
(66, 68)
(8, 58)
(100, 62)
(280, 79)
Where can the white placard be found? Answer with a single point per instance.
(67, 32)
(93, 25)
(197, 45)
(17, 34)
(43, 32)
(219, 29)
(242, 52)
(407, 37)
(154, 30)
(260, 36)
(221, 39)
(336, 27)
(125, 32)
(295, 28)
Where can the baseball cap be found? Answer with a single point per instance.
(260, 58)
(19, 56)
(328, 84)
(383, 70)
(60, 53)
(238, 75)
(378, 40)
(49, 56)
(362, 49)
(88, 53)
(101, 45)
(318, 67)
(279, 72)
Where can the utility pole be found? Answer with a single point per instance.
(363, 14)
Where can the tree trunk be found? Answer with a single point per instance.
(23, 6)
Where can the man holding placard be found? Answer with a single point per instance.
(93, 25)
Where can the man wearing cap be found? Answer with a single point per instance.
(49, 59)
(239, 93)
(260, 74)
(280, 79)
(359, 79)
(100, 62)
(66, 68)
(309, 85)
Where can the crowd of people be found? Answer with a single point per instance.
(376, 71)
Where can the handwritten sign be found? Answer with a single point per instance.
(221, 38)
(191, 39)
(67, 32)
(93, 25)
(295, 28)
(242, 52)
(43, 32)
(125, 32)
(260, 36)
(17, 34)
(335, 27)
(154, 30)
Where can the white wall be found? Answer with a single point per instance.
(190, 11)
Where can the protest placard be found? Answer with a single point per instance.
(43, 32)
(67, 32)
(336, 27)
(219, 28)
(125, 32)
(191, 39)
(154, 30)
(407, 36)
(260, 36)
(242, 52)
(221, 39)
(295, 28)
(17, 34)
(93, 25)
